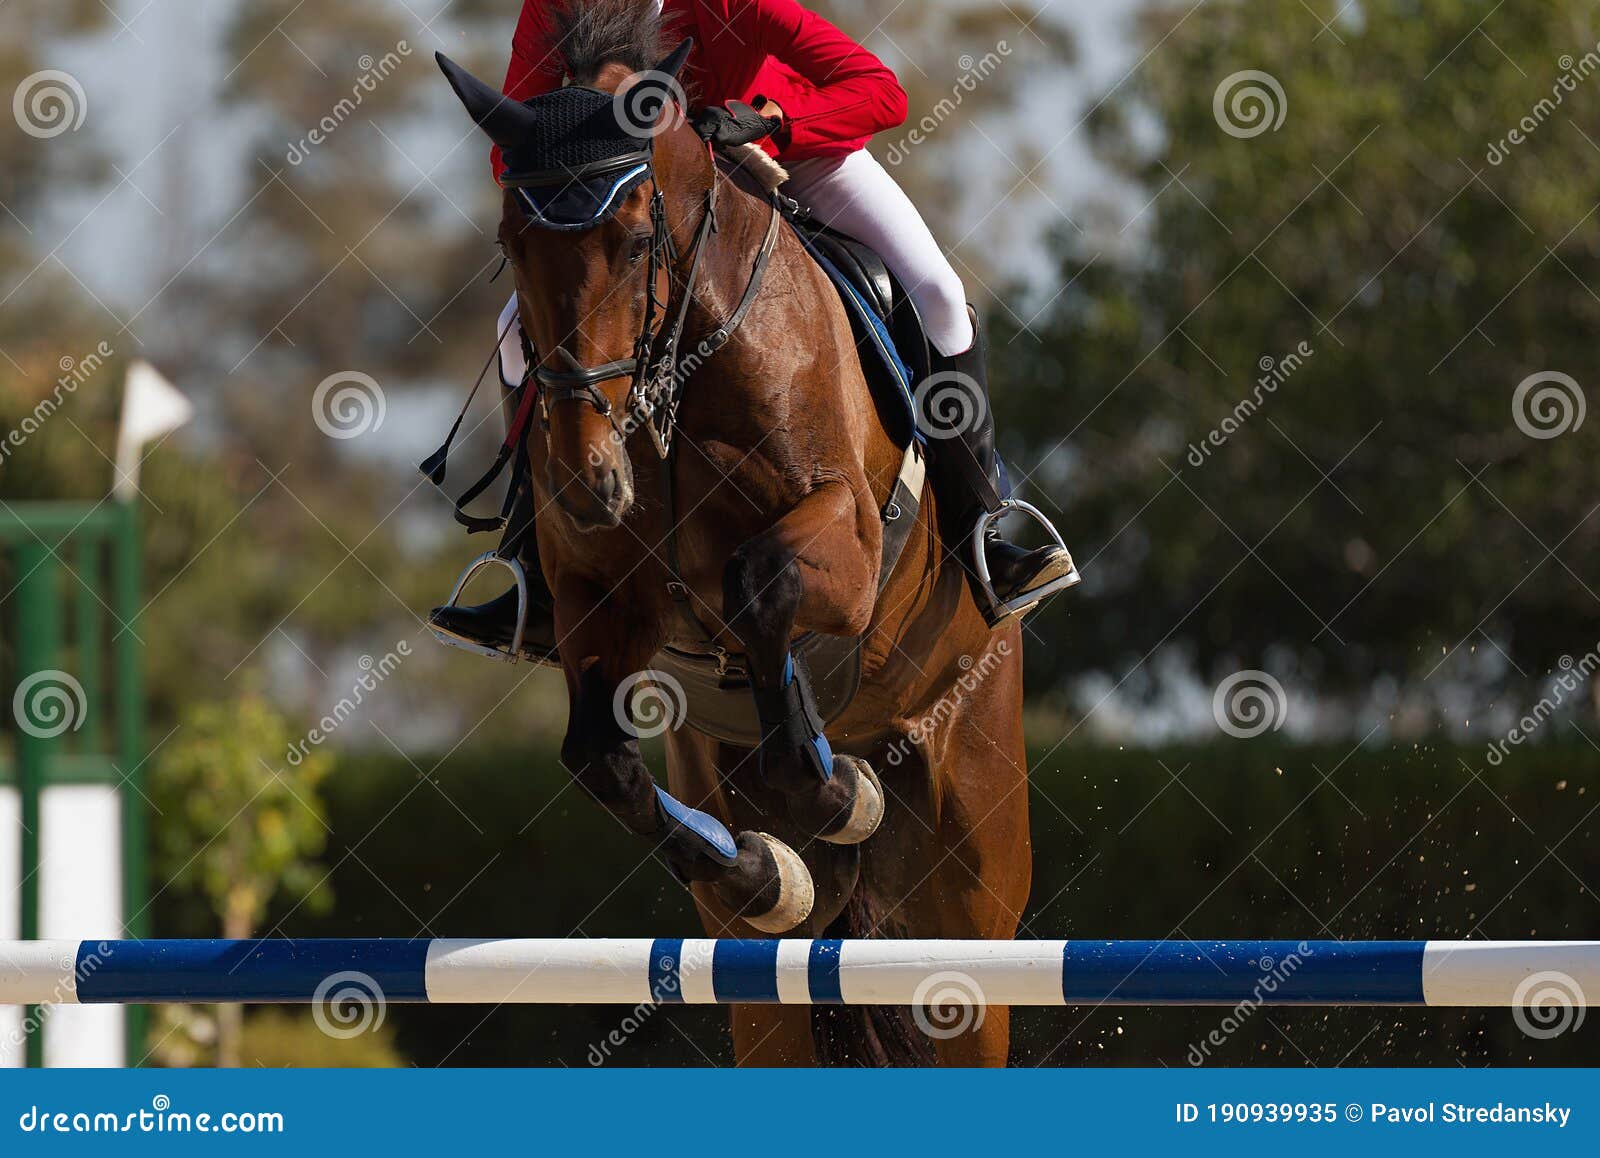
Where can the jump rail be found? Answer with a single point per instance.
(800, 972)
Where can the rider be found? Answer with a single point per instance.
(818, 97)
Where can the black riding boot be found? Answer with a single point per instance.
(966, 481)
(493, 624)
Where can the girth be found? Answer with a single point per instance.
(716, 682)
(719, 699)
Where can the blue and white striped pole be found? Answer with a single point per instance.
(629, 971)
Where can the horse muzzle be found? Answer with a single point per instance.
(596, 500)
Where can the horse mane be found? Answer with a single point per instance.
(591, 34)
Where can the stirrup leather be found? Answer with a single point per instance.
(996, 609)
(514, 653)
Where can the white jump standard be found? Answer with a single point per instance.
(628, 971)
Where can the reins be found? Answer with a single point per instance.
(656, 388)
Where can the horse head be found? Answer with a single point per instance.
(605, 185)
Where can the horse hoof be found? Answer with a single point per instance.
(769, 888)
(866, 809)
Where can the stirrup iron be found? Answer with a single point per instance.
(515, 567)
(996, 609)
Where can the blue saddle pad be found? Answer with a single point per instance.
(886, 370)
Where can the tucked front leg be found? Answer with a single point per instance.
(605, 655)
(816, 566)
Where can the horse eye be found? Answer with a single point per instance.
(638, 247)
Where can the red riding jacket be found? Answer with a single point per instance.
(834, 94)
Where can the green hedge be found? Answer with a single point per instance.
(1242, 840)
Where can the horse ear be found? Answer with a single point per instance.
(506, 121)
(674, 59)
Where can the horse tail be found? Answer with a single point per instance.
(867, 1035)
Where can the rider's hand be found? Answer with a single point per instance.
(735, 123)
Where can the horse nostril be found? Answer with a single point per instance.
(606, 486)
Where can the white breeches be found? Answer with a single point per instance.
(855, 195)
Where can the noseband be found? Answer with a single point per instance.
(653, 365)
(657, 386)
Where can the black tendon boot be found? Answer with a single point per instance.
(962, 463)
(491, 628)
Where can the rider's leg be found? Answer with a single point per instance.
(494, 624)
(855, 195)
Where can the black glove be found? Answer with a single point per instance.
(735, 123)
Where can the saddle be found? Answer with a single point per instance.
(895, 355)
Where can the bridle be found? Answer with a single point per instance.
(656, 386)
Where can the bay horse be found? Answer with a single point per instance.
(763, 522)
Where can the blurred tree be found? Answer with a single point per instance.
(238, 824)
(43, 323)
(347, 293)
(1369, 501)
